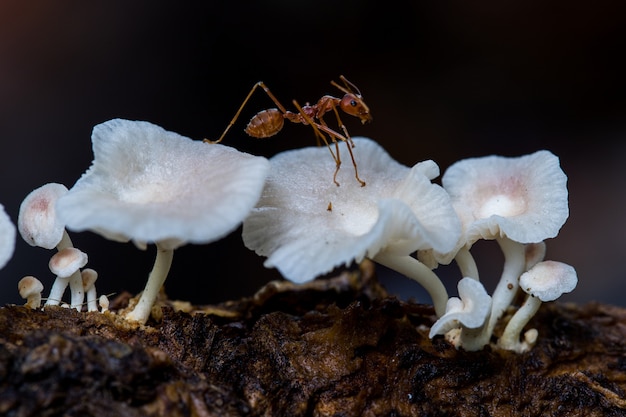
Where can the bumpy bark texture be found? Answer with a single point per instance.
(338, 347)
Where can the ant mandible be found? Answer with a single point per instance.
(269, 122)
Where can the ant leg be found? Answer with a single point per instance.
(318, 134)
(349, 145)
(245, 101)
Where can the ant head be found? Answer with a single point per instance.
(352, 102)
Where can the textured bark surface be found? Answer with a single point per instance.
(340, 347)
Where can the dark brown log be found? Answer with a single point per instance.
(337, 347)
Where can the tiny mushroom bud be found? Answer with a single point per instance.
(7, 237)
(103, 301)
(546, 281)
(30, 288)
(399, 212)
(469, 312)
(89, 277)
(149, 185)
(65, 264)
(512, 200)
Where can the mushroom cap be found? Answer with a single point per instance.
(548, 280)
(150, 185)
(399, 211)
(7, 237)
(89, 277)
(37, 221)
(67, 261)
(28, 286)
(523, 198)
(470, 310)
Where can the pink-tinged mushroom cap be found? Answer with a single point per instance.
(37, 221)
(523, 198)
(307, 226)
(548, 280)
(7, 237)
(148, 185)
(67, 261)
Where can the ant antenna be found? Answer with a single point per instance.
(349, 87)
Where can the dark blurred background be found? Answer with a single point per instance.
(444, 80)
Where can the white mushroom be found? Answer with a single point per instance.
(512, 200)
(30, 289)
(65, 264)
(468, 313)
(149, 185)
(7, 237)
(40, 226)
(89, 277)
(103, 302)
(546, 281)
(307, 226)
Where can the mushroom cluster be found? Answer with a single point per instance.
(306, 227)
(39, 225)
(149, 185)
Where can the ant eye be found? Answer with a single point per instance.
(353, 103)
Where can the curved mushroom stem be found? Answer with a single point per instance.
(510, 339)
(157, 277)
(466, 263)
(75, 282)
(503, 295)
(419, 272)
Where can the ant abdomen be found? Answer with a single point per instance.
(265, 123)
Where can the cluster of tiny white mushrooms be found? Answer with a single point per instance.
(148, 185)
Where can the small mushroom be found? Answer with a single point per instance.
(65, 264)
(7, 237)
(103, 302)
(512, 200)
(40, 226)
(30, 289)
(149, 185)
(399, 212)
(89, 277)
(546, 281)
(469, 313)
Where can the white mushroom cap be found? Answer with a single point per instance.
(548, 280)
(30, 288)
(399, 211)
(522, 198)
(37, 220)
(7, 237)
(150, 185)
(470, 310)
(67, 261)
(89, 277)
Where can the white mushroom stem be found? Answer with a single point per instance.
(75, 281)
(514, 266)
(419, 272)
(89, 277)
(157, 277)
(466, 263)
(510, 339)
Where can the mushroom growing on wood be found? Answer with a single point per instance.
(40, 226)
(7, 237)
(467, 314)
(512, 200)
(546, 281)
(30, 289)
(307, 226)
(149, 185)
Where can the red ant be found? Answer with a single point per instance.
(269, 122)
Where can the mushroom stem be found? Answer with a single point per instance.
(514, 266)
(510, 339)
(157, 277)
(466, 263)
(75, 281)
(419, 272)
